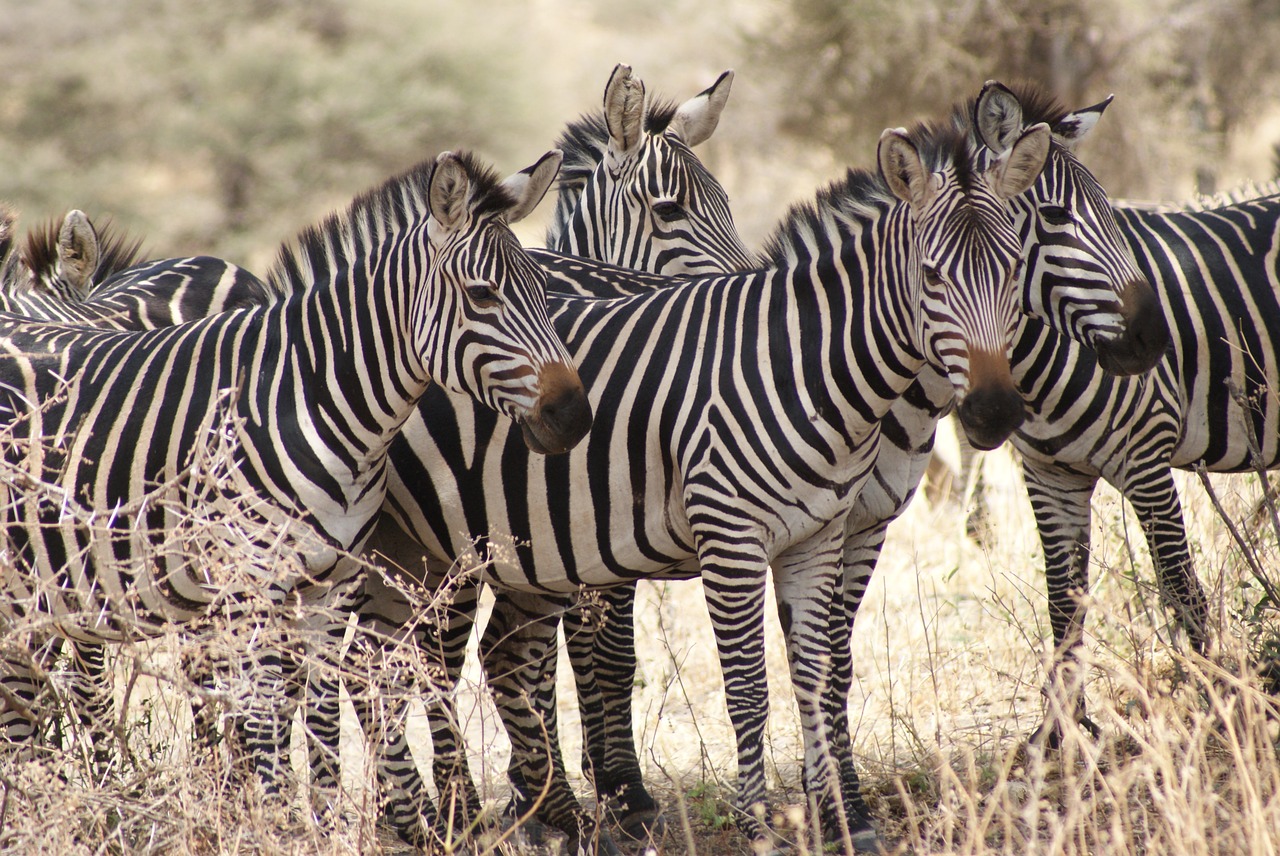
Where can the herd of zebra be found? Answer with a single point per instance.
(410, 389)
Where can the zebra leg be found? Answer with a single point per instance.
(805, 578)
(861, 553)
(518, 652)
(93, 701)
(386, 617)
(1154, 498)
(444, 641)
(318, 679)
(265, 730)
(1060, 501)
(603, 655)
(21, 722)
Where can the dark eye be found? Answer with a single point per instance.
(669, 211)
(1055, 215)
(931, 276)
(483, 294)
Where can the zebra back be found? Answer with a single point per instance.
(57, 267)
(633, 193)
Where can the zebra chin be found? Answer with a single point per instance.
(1146, 335)
(562, 415)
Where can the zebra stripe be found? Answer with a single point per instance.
(753, 461)
(611, 195)
(633, 193)
(320, 385)
(1211, 396)
(1064, 193)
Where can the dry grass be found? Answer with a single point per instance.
(952, 638)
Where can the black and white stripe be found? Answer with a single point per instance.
(631, 189)
(736, 417)
(1077, 264)
(418, 281)
(633, 193)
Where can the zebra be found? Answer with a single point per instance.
(77, 274)
(1065, 191)
(602, 520)
(631, 191)
(1211, 265)
(57, 267)
(1212, 401)
(419, 280)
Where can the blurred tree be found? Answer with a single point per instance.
(848, 70)
(226, 127)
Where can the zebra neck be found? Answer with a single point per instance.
(357, 380)
(852, 327)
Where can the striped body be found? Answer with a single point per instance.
(631, 190)
(1217, 276)
(736, 418)
(418, 280)
(1090, 248)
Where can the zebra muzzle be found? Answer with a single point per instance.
(1146, 335)
(993, 408)
(562, 415)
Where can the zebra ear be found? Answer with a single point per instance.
(1072, 128)
(1019, 168)
(624, 109)
(697, 118)
(530, 184)
(450, 187)
(902, 168)
(77, 252)
(997, 116)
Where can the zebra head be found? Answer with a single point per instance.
(633, 193)
(65, 261)
(493, 338)
(1081, 277)
(968, 258)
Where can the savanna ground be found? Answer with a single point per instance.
(952, 661)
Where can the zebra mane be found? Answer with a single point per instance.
(395, 205)
(116, 251)
(1241, 193)
(861, 197)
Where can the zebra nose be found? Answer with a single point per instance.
(989, 416)
(992, 409)
(562, 416)
(1146, 335)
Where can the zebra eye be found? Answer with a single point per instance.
(483, 295)
(1055, 215)
(932, 277)
(669, 210)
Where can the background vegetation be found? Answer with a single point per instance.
(224, 128)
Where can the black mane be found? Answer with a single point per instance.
(395, 204)
(862, 195)
(116, 250)
(585, 140)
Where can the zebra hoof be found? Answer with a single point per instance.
(868, 841)
(598, 844)
(645, 825)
